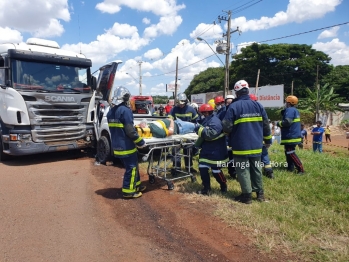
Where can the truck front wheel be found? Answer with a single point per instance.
(103, 149)
(3, 156)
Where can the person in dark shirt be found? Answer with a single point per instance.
(161, 110)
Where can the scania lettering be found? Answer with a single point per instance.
(47, 99)
(59, 99)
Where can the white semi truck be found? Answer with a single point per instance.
(47, 99)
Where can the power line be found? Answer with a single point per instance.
(302, 33)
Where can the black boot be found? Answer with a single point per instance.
(260, 196)
(205, 191)
(224, 188)
(244, 198)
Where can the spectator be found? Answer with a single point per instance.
(317, 133)
(291, 134)
(161, 110)
(277, 133)
(328, 133)
(304, 137)
(168, 108)
(246, 122)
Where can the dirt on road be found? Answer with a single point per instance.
(63, 207)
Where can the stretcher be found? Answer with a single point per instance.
(162, 167)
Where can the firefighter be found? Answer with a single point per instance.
(291, 134)
(213, 153)
(268, 169)
(184, 112)
(220, 107)
(246, 122)
(125, 141)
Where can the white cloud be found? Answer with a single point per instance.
(41, 16)
(159, 89)
(329, 33)
(153, 54)
(146, 21)
(338, 51)
(122, 30)
(157, 7)
(167, 26)
(10, 36)
(109, 44)
(54, 28)
(297, 11)
(207, 31)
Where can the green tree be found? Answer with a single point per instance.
(210, 80)
(327, 101)
(338, 77)
(280, 64)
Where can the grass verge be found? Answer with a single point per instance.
(307, 216)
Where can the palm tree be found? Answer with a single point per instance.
(325, 100)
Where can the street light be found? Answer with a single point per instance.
(201, 39)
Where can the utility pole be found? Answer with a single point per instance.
(140, 77)
(227, 52)
(292, 89)
(317, 93)
(257, 82)
(175, 92)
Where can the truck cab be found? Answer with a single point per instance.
(47, 100)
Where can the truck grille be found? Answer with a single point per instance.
(60, 122)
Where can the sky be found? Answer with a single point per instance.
(149, 35)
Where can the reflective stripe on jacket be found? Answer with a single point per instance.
(290, 127)
(187, 113)
(213, 149)
(247, 124)
(124, 136)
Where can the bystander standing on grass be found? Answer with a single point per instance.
(317, 133)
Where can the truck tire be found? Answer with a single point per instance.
(103, 150)
(3, 156)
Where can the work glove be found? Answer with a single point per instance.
(143, 146)
(267, 146)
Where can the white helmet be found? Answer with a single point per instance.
(195, 106)
(230, 97)
(121, 94)
(239, 85)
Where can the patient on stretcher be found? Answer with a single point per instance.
(167, 127)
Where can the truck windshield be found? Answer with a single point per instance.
(46, 77)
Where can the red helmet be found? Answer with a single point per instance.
(205, 108)
(253, 97)
(218, 100)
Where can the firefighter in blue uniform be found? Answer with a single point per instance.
(125, 140)
(268, 169)
(220, 107)
(213, 153)
(184, 112)
(247, 124)
(291, 134)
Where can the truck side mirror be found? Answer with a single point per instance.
(94, 82)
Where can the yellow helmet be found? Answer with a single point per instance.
(212, 103)
(293, 100)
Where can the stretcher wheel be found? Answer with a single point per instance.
(170, 185)
(151, 179)
(193, 179)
